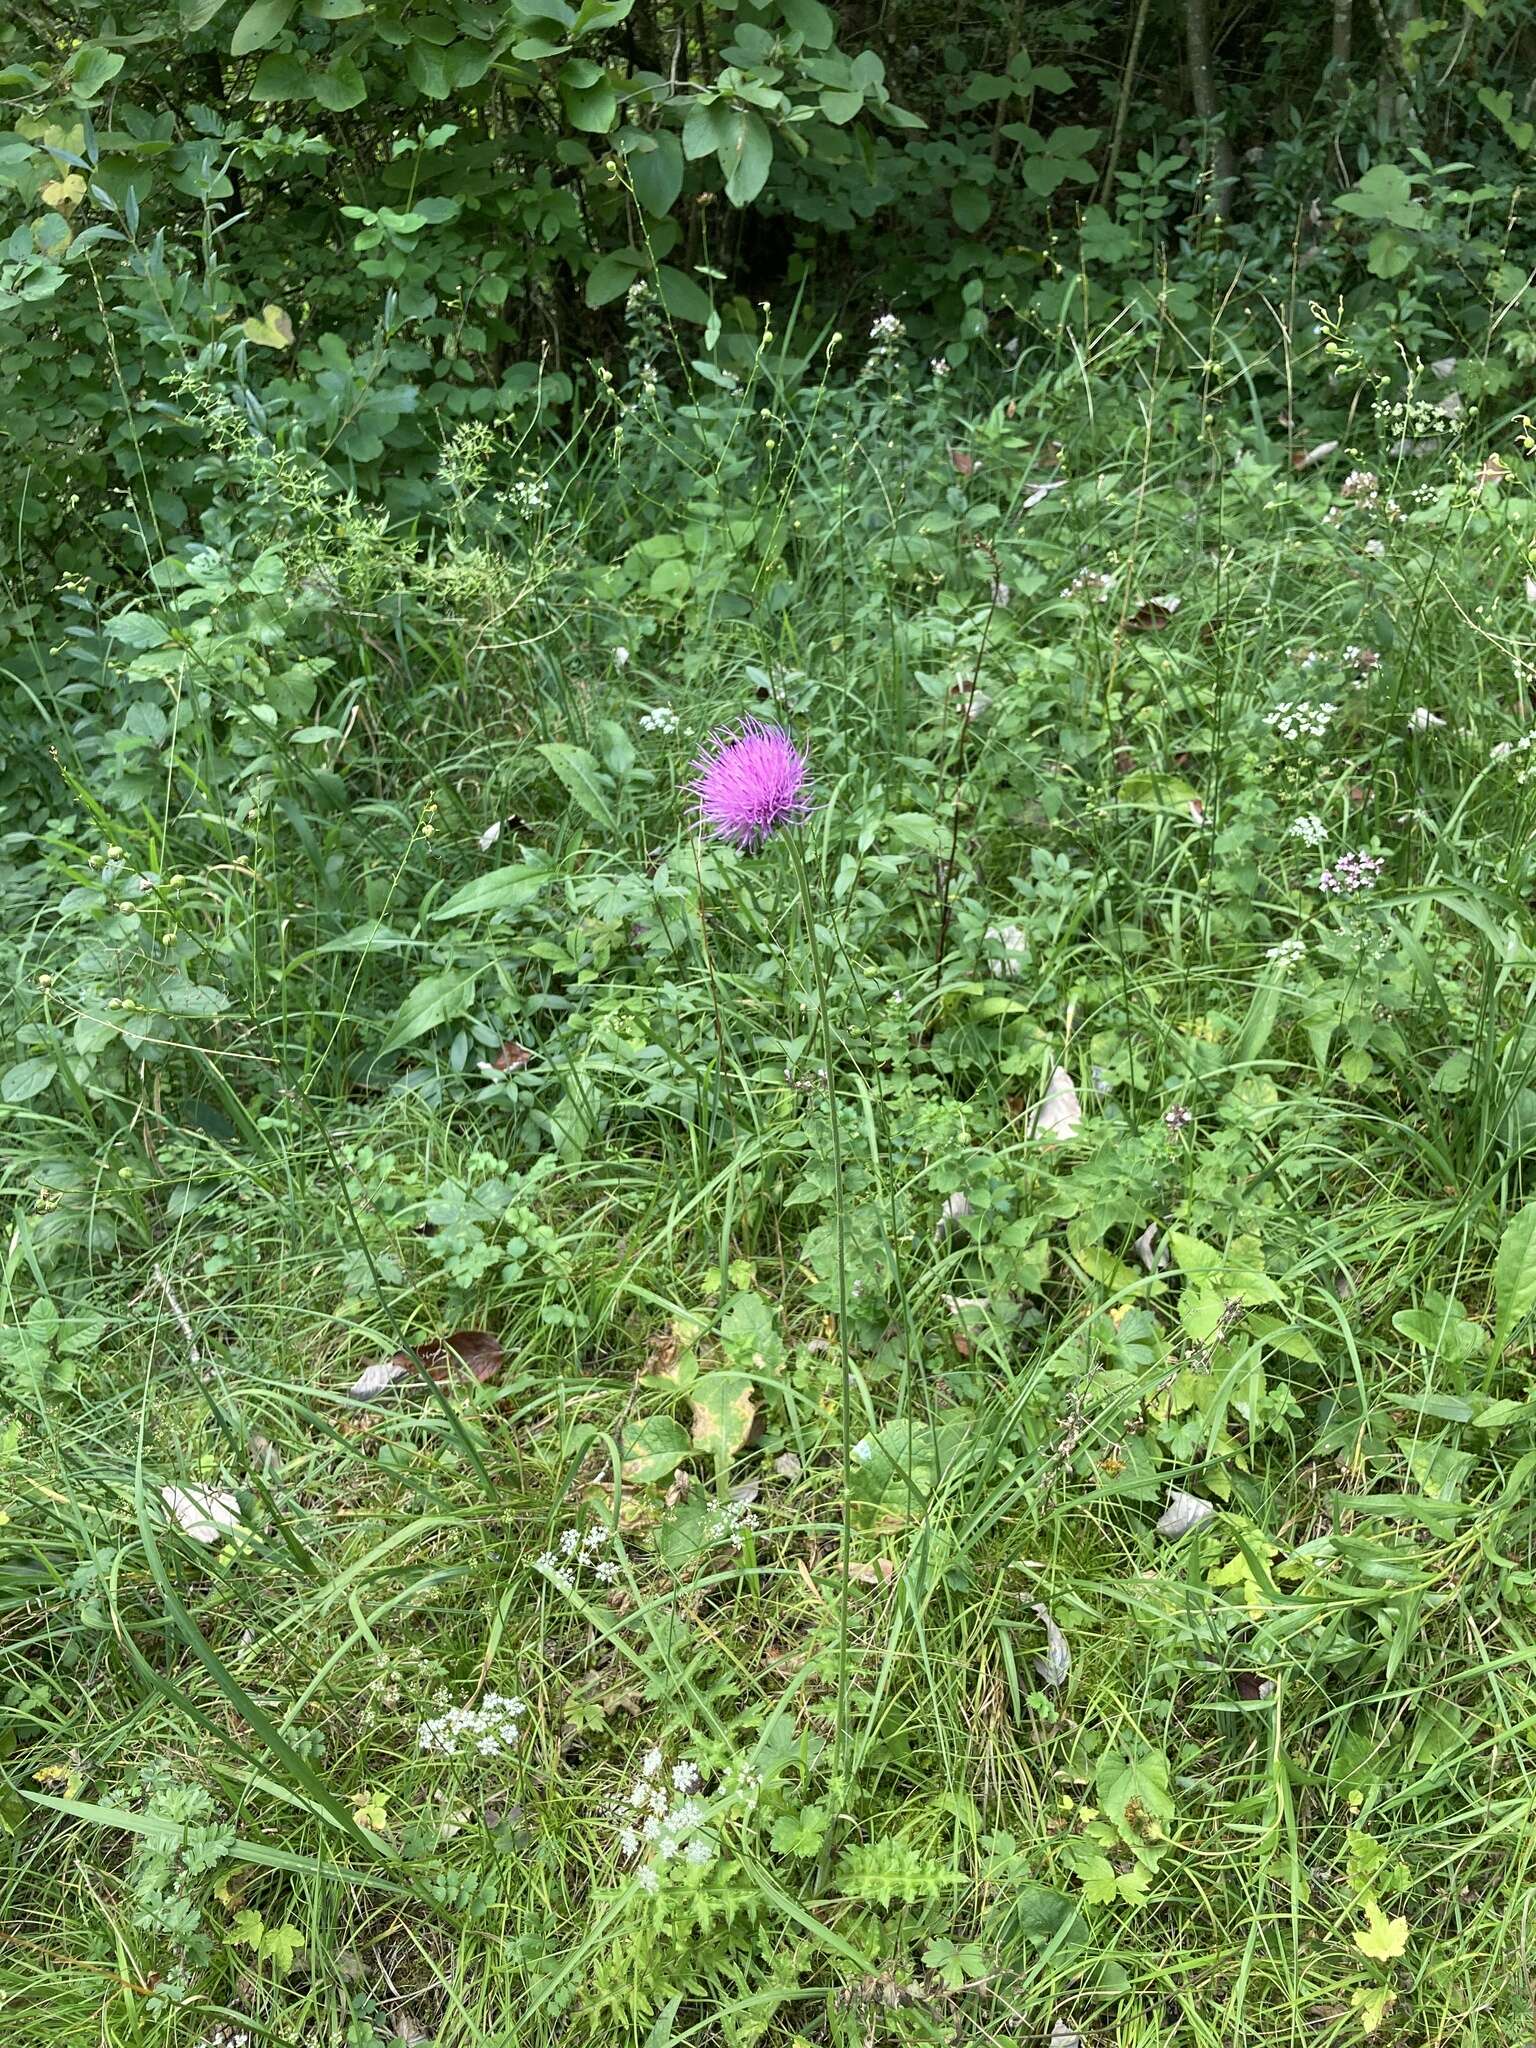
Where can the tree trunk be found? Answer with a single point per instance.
(1207, 105)
(1343, 26)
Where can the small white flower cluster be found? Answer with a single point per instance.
(1361, 659)
(888, 328)
(1361, 485)
(1376, 549)
(939, 365)
(1008, 946)
(529, 493)
(1092, 584)
(660, 1819)
(638, 297)
(1422, 719)
(729, 1524)
(661, 719)
(1310, 830)
(576, 1553)
(1307, 658)
(1351, 874)
(1302, 720)
(1511, 750)
(489, 1730)
(1289, 953)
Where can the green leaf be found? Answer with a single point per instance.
(723, 1413)
(1388, 253)
(261, 22)
(583, 780)
(1151, 790)
(749, 1335)
(612, 275)
(1381, 1939)
(503, 889)
(91, 68)
(970, 206)
(280, 1946)
(1514, 1275)
(1132, 1788)
(26, 1079)
(746, 155)
(657, 174)
(281, 77)
(591, 108)
(812, 20)
(1384, 194)
(340, 85)
(431, 1003)
(683, 299)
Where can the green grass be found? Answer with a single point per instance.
(766, 1229)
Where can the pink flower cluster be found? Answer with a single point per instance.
(1350, 874)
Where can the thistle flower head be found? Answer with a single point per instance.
(749, 780)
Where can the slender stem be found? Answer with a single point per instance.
(845, 1527)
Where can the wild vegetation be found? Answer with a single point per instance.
(882, 1393)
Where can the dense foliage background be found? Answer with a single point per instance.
(973, 1369)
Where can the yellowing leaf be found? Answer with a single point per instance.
(273, 330)
(723, 1412)
(1381, 1939)
(64, 194)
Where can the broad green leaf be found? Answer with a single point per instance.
(593, 108)
(196, 14)
(583, 780)
(746, 155)
(1132, 1788)
(723, 1413)
(749, 1335)
(91, 69)
(612, 275)
(970, 206)
(683, 299)
(431, 1003)
(657, 174)
(812, 21)
(503, 889)
(26, 1079)
(261, 22)
(340, 85)
(1152, 790)
(1514, 1275)
(281, 77)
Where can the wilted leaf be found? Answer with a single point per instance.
(375, 1379)
(1154, 615)
(1054, 1665)
(1183, 1513)
(202, 1514)
(475, 1352)
(723, 1412)
(962, 462)
(512, 1058)
(1059, 1113)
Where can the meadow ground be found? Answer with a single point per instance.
(986, 1492)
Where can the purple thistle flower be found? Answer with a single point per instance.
(749, 780)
